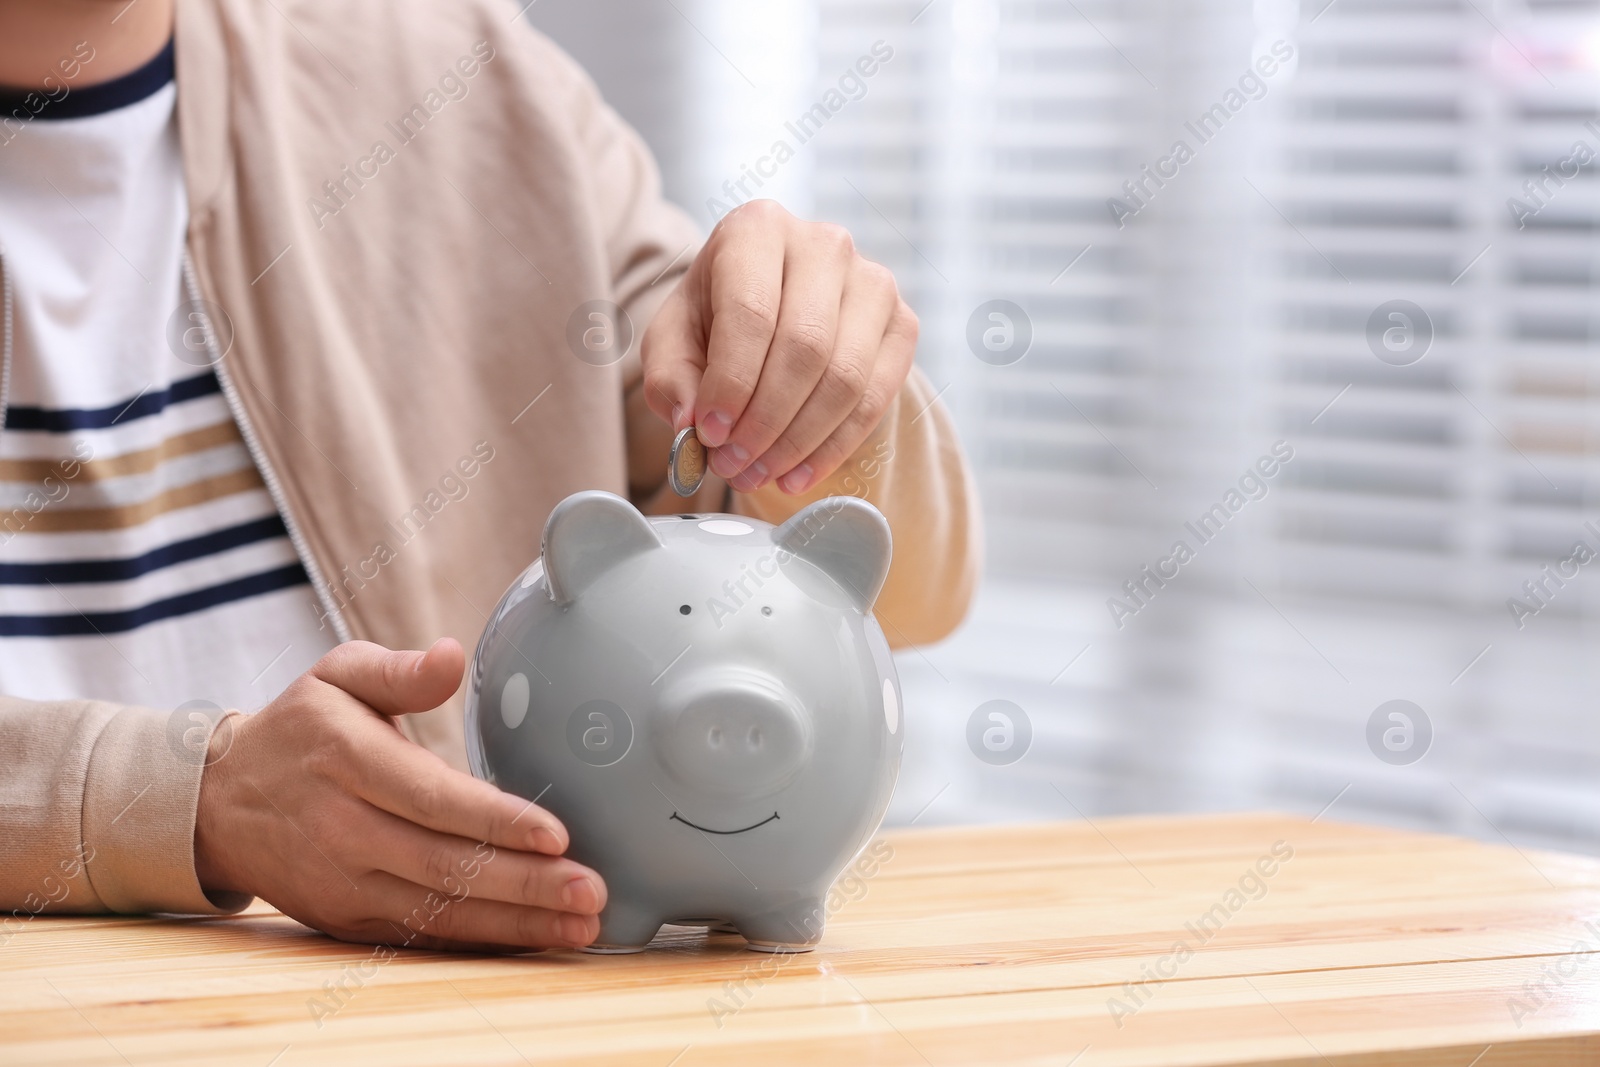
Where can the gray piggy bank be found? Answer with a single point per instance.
(705, 701)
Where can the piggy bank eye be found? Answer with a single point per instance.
(684, 609)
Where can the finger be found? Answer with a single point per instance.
(408, 781)
(674, 358)
(746, 283)
(394, 682)
(457, 867)
(888, 376)
(405, 914)
(814, 274)
(869, 303)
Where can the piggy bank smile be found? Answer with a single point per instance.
(707, 704)
(709, 830)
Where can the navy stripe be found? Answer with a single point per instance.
(65, 420)
(121, 570)
(48, 103)
(112, 622)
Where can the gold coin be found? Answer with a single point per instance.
(686, 466)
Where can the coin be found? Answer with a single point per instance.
(686, 466)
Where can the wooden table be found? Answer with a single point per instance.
(1326, 944)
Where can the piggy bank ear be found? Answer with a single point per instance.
(586, 535)
(847, 539)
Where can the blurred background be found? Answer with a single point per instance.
(1153, 245)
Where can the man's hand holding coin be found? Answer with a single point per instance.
(782, 346)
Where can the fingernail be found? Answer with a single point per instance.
(677, 417)
(713, 429)
(573, 929)
(546, 841)
(796, 480)
(751, 478)
(736, 453)
(579, 895)
(722, 464)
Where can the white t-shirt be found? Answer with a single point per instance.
(142, 560)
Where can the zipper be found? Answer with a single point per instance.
(252, 443)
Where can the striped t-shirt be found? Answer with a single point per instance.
(142, 559)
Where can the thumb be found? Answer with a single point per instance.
(674, 358)
(395, 682)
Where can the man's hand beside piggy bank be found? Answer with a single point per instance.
(784, 347)
(319, 806)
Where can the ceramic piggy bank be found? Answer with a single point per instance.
(705, 701)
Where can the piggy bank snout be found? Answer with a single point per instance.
(735, 733)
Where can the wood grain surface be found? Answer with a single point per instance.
(1126, 942)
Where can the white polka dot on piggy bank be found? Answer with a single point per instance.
(707, 704)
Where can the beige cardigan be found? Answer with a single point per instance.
(399, 204)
